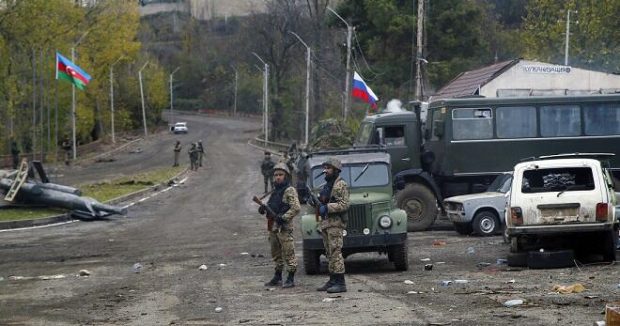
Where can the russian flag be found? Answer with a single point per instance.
(363, 92)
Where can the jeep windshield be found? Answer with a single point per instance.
(356, 175)
(557, 179)
(364, 134)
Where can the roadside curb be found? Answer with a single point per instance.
(67, 217)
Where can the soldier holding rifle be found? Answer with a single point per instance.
(332, 205)
(282, 207)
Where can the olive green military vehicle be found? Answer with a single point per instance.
(374, 223)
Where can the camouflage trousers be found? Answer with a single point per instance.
(331, 230)
(283, 250)
(268, 182)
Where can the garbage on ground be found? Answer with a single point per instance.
(425, 259)
(461, 281)
(221, 265)
(471, 250)
(501, 261)
(329, 300)
(514, 303)
(612, 313)
(137, 267)
(428, 267)
(84, 272)
(415, 292)
(591, 296)
(446, 283)
(203, 267)
(439, 243)
(244, 253)
(566, 289)
(599, 323)
(1, 278)
(483, 264)
(219, 309)
(511, 281)
(408, 282)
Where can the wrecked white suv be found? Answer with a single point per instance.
(564, 200)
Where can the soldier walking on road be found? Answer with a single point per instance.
(285, 204)
(177, 152)
(334, 203)
(14, 153)
(266, 169)
(67, 146)
(201, 151)
(193, 157)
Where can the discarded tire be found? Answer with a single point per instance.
(550, 259)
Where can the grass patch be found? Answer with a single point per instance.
(102, 191)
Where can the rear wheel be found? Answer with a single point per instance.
(486, 223)
(399, 256)
(312, 262)
(420, 204)
(463, 228)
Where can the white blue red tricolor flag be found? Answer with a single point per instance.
(363, 92)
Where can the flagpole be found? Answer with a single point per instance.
(73, 147)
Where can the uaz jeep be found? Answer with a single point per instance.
(374, 223)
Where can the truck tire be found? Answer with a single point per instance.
(486, 223)
(517, 259)
(463, 228)
(399, 256)
(420, 204)
(550, 259)
(609, 243)
(312, 262)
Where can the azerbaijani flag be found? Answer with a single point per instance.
(363, 92)
(67, 70)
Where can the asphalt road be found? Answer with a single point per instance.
(211, 220)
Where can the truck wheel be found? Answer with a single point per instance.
(514, 244)
(463, 228)
(486, 223)
(517, 259)
(399, 256)
(610, 241)
(312, 262)
(420, 205)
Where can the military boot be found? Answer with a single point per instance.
(328, 284)
(339, 285)
(290, 280)
(276, 280)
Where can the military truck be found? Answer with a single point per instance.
(469, 141)
(374, 223)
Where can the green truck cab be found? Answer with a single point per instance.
(374, 223)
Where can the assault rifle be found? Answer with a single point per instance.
(314, 202)
(271, 215)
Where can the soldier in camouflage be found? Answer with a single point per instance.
(334, 198)
(266, 168)
(285, 204)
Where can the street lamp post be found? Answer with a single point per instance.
(112, 97)
(235, 99)
(567, 35)
(265, 95)
(347, 84)
(73, 113)
(172, 96)
(307, 99)
(142, 97)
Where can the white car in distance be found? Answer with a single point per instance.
(180, 128)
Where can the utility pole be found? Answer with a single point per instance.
(73, 111)
(235, 99)
(347, 84)
(112, 97)
(567, 36)
(265, 96)
(172, 96)
(142, 97)
(307, 97)
(419, 44)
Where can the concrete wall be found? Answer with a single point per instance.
(546, 79)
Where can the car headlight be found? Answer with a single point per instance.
(385, 221)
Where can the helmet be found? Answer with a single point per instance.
(283, 167)
(333, 162)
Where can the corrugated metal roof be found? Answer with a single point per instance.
(468, 83)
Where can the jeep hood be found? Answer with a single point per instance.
(368, 197)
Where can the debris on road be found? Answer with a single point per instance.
(566, 289)
(221, 265)
(329, 300)
(446, 283)
(84, 272)
(203, 267)
(428, 267)
(408, 282)
(483, 264)
(461, 281)
(425, 259)
(471, 250)
(137, 267)
(501, 261)
(244, 253)
(511, 281)
(219, 309)
(514, 303)
(439, 243)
